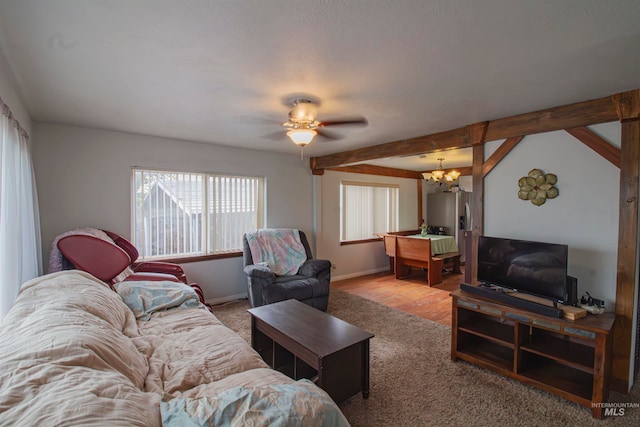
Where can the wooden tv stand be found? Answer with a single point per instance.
(570, 358)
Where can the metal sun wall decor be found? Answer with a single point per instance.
(538, 187)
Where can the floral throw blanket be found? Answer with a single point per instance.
(147, 297)
(280, 249)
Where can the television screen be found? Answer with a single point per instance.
(533, 267)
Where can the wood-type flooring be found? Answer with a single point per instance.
(410, 294)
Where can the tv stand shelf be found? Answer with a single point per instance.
(570, 358)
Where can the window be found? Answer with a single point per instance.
(367, 209)
(180, 214)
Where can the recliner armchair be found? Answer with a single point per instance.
(309, 285)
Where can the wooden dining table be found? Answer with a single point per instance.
(439, 244)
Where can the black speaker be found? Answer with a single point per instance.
(572, 290)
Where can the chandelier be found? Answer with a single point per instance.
(440, 176)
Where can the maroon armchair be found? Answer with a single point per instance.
(149, 269)
(114, 261)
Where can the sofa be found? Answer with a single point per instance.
(75, 352)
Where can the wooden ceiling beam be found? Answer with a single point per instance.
(597, 144)
(378, 170)
(456, 138)
(627, 105)
(477, 133)
(398, 173)
(500, 154)
(628, 109)
(601, 110)
(467, 170)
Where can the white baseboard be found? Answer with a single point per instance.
(358, 274)
(221, 300)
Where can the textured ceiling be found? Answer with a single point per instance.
(220, 71)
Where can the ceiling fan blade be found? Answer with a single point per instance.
(275, 136)
(358, 120)
(326, 135)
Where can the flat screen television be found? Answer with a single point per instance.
(533, 267)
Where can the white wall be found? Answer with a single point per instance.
(583, 216)
(362, 258)
(83, 177)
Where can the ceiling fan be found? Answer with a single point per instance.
(303, 123)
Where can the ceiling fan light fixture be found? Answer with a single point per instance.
(303, 111)
(303, 124)
(301, 137)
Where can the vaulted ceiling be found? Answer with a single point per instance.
(223, 72)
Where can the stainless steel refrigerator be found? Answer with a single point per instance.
(453, 212)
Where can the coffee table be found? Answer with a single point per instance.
(304, 342)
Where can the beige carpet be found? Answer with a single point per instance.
(415, 383)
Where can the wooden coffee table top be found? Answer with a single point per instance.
(316, 330)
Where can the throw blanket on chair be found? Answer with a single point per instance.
(278, 248)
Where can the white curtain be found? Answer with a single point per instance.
(20, 254)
